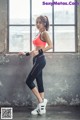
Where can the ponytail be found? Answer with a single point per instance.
(47, 23)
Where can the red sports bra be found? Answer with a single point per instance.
(38, 42)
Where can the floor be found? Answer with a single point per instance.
(53, 113)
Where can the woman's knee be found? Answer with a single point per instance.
(30, 83)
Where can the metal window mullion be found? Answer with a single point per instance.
(76, 31)
(19, 24)
(30, 24)
(7, 25)
(53, 24)
(64, 24)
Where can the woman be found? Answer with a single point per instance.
(39, 62)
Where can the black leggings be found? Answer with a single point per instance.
(39, 63)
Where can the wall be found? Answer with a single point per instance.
(61, 74)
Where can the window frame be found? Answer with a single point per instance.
(52, 25)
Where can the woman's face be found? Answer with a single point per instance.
(39, 24)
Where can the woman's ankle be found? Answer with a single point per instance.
(40, 100)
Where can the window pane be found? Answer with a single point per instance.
(64, 39)
(19, 11)
(35, 32)
(64, 14)
(19, 39)
(39, 9)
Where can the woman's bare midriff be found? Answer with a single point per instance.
(39, 47)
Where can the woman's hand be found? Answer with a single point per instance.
(21, 53)
(33, 53)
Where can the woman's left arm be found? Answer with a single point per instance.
(47, 39)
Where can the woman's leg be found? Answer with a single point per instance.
(39, 80)
(33, 74)
(36, 93)
(39, 93)
(42, 95)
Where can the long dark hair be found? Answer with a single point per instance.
(44, 20)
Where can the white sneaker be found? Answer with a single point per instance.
(45, 102)
(40, 109)
(35, 111)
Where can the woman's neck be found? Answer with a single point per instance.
(40, 31)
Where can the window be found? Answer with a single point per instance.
(64, 27)
(22, 30)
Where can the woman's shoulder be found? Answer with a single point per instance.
(44, 33)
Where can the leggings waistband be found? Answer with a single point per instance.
(39, 55)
